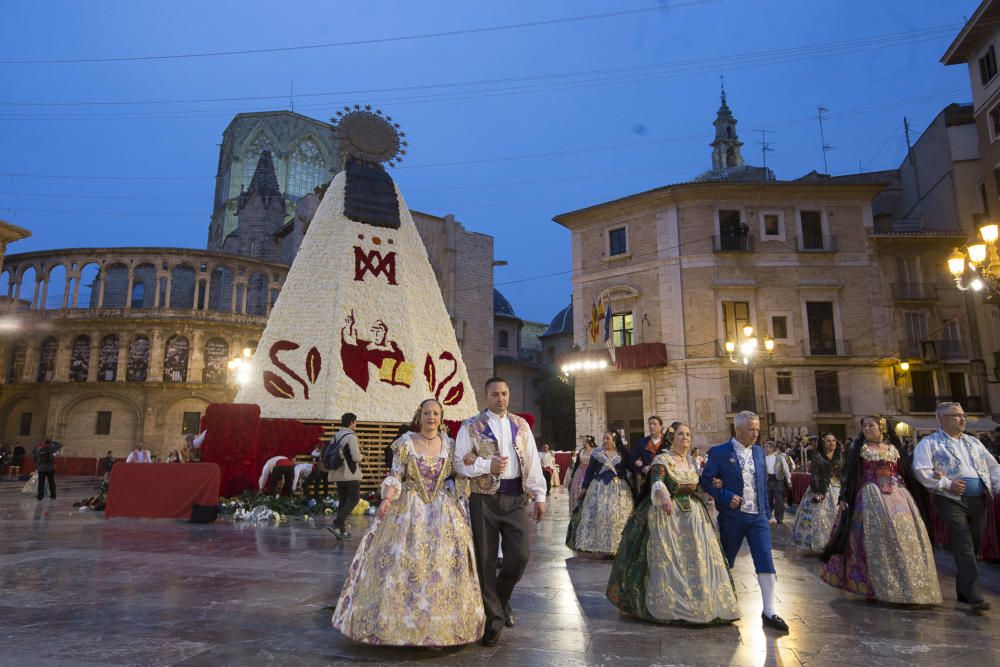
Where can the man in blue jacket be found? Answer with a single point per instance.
(741, 499)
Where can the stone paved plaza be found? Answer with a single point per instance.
(79, 590)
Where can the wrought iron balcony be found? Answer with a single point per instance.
(914, 291)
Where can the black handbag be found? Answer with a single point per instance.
(204, 513)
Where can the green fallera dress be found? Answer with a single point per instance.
(671, 568)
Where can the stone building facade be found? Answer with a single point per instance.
(119, 345)
(679, 287)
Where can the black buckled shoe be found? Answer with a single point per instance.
(775, 622)
(508, 616)
(490, 637)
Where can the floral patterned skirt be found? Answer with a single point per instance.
(413, 580)
(889, 555)
(671, 569)
(575, 486)
(603, 514)
(814, 521)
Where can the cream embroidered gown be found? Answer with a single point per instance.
(413, 580)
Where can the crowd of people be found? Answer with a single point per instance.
(671, 520)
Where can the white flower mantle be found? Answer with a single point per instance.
(360, 326)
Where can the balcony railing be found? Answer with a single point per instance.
(930, 403)
(914, 291)
(828, 348)
(739, 403)
(934, 350)
(739, 243)
(818, 244)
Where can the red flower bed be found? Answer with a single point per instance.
(239, 441)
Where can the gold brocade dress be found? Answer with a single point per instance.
(888, 555)
(670, 568)
(413, 580)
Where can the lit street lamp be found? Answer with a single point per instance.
(240, 365)
(978, 265)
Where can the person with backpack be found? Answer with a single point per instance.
(45, 465)
(342, 457)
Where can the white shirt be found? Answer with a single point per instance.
(141, 456)
(268, 469)
(548, 460)
(533, 482)
(745, 457)
(200, 440)
(923, 466)
(301, 470)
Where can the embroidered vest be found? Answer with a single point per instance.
(486, 446)
(945, 459)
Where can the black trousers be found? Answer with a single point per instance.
(348, 495)
(317, 485)
(547, 474)
(49, 475)
(494, 518)
(776, 496)
(965, 521)
(286, 473)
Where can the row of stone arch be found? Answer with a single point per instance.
(176, 358)
(119, 285)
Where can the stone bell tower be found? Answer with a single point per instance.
(726, 147)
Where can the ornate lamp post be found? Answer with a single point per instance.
(745, 352)
(978, 265)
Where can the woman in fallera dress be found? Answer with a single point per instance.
(670, 567)
(579, 471)
(607, 500)
(818, 508)
(879, 547)
(413, 580)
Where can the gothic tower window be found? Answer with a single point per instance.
(306, 169)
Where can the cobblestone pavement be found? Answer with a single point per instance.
(81, 590)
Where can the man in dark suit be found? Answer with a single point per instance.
(741, 499)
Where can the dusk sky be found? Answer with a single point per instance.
(515, 111)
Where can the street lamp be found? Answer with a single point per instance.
(978, 265)
(745, 352)
(240, 365)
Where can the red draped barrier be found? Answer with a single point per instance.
(161, 490)
(81, 466)
(800, 484)
(239, 441)
(564, 460)
(990, 547)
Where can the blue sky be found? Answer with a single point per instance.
(506, 127)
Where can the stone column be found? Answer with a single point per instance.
(45, 294)
(131, 286)
(208, 292)
(95, 353)
(76, 290)
(65, 346)
(156, 346)
(196, 357)
(123, 346)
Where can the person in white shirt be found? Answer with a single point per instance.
(506, 471)
(139, 454)
(548, 460)
(277, 468)
(779, 479)
(962, 476)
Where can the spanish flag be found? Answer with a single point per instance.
(596, 316)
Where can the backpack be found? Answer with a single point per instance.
(43, 456)
(334, 456)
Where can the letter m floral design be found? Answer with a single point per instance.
(375, 262)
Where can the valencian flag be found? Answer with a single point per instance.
(608, 338)
(596, 315)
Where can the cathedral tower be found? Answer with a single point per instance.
(726, 147)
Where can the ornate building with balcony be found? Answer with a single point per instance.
(686, 267)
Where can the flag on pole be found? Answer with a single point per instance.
(608, 338)
(594, 327)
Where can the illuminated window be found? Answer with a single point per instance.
(621, 329)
